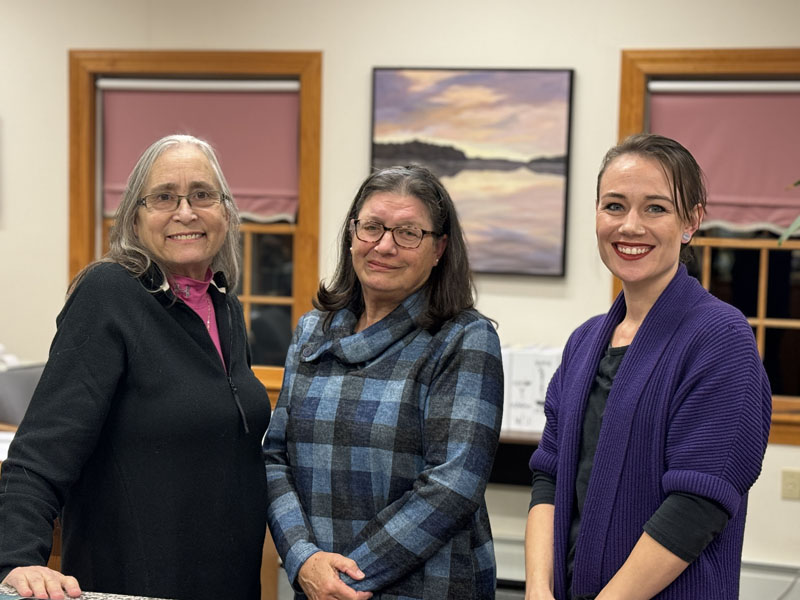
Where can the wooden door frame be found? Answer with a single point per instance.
(641, 66)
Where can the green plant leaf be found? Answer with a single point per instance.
(791, 229)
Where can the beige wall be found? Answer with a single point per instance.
(356, 35)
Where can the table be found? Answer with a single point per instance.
(5, 589)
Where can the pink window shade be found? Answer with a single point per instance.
(748, 144)
(254, 133)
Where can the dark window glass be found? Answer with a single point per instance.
(270, 333)
(783, 295)
(272, 265)
(781, 354)
(734, 278)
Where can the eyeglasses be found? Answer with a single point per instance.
(168, 202)
(403, 235)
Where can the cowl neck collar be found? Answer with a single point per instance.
(369, 344)
(188, 289)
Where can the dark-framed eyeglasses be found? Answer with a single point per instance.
(168, 202)
(403, 235)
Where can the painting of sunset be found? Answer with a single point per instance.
(499, 141)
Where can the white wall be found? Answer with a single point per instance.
(356, 35)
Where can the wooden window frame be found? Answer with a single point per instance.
(641, 66)
(86, 66)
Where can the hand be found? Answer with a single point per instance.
(538, 593)
(319, 577)
(42, 582)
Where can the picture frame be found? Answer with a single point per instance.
(499, 140)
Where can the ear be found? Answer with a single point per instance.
(695, 219)
(441, 244)
(136, 226)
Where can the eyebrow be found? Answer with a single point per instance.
(618, 195)
(400, 224)
(171, 187)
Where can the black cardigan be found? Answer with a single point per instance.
(148, 445)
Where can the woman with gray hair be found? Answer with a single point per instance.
(144, 431)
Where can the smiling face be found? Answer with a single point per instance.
(186, 240)
(638, 229)
(388, 273)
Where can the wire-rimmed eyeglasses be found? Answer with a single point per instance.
(168, 202)
(404, 236)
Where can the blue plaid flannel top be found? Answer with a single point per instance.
(380, 448)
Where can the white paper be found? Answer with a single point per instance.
(529, 372)
(505, 424)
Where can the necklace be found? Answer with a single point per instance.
(186, 292)
(183, 291)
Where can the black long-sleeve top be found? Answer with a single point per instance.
(138, 431)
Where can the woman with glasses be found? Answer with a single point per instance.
(144, 432)
(657, 418)
(384, 434)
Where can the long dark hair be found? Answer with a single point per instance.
(449, 289)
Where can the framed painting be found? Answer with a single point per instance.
(499, 141)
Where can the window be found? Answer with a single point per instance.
(762, 280)
(280, 257)
(746, 269)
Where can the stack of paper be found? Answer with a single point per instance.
(527, 372)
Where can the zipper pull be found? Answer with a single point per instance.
(235, 392)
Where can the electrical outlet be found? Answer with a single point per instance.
(790, 484)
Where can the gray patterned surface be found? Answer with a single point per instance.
(4, 589)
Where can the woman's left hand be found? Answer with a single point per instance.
(319, 577)
(42, 582)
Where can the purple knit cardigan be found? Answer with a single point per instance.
(689, 411)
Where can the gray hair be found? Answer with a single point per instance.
(125, 247)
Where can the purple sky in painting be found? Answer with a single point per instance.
(515, 114)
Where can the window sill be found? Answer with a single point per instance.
(785, 421)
